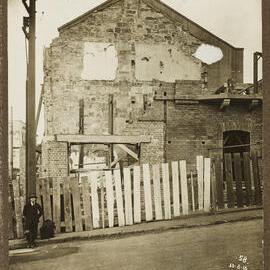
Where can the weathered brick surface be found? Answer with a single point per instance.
(193, 129)
(54, 160)
(135, 29)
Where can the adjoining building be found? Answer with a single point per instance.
(125, 82)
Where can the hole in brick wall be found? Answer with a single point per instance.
(203, 142)
(169, 142)
(133, 63)
(208, 54)
(165, 93)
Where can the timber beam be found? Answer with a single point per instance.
(225, 103)
(254, 103)
(102, 139)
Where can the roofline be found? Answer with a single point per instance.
(81, 17)
(152, 4)
(189, 20)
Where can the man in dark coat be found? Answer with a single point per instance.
(32, 211)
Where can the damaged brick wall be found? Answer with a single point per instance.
(148, 52)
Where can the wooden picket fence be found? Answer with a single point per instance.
(108, 198)
(119, 198)
(237, 180)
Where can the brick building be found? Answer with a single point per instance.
(128, 68)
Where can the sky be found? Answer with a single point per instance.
(236, 21)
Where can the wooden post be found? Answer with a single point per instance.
(111, 126)
(3, 137)
(81, 131)
(238, 179)
(247, 177)
(257, 181)
(219, 182)
(30, 103)
(229, 180)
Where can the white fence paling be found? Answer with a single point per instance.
(157, 192)
(128, 197)
(207, 183)
(176, 195)
(86, 203)
(109, 197)
(137, 194)
(199, 164)
(94, 196)
(119, 198)
(166, 189)
(147, 192)
(184, 188)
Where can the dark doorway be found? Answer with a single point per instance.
(236, 141)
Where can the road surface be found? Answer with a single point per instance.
(206, 248)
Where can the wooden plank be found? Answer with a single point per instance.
(229, 180)
(119, 198)
(219, 182)
(46, 199)
(67, 205)
(18, 207)
(176, 192)
(74, 186)
(184, 187)
(192, 191)
(102, 203)
(86, 203)
(199, 164)
(256, 177)
(247, 178)
(147, 192)
(137, 194)
(94, 197)
(128, 198)
(128, 151)
(109, 197)
(105, 139)
(238, 179)
(166, 189)
(56, 204)
(213, 198)
(157, 192)
(207, 184)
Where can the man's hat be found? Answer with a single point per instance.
(33, 196)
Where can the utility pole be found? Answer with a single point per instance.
(4, 213)
(29, 28)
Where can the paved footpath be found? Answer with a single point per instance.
(233, 245)
(149, 227)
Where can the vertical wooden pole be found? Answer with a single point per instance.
(111, 125)
(30, 104)
(81, 131)
(229, 180)
(3, 137)
(199, 164)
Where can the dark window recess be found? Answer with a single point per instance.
(133, 63)
(236, 141)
